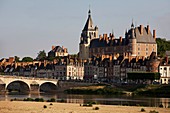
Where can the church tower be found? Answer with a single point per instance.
(89, 33)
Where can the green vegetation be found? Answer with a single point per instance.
(154, 90)
(153, 111)
(162, 46)
(143, 76)
(41, 55)
(36, 99)
(51, 100)
(142, 110)
(27, 59)
(17, 59)
(96, 108)
(44, 106)
(161, 106)
(62, 100)
(99, 90)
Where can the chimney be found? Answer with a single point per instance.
(141, 29)
(120, 39)
(166, 58)
(107, 38)
(11, 59)
(110, 57)
(100, 37)
(53, 47)
(154, 34)
(148, 29)
(104, 36)
(111, 35)
(65, 50)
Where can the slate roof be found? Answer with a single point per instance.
(103, 43)
(57, 49)
(140, 38)
(144, 38)
(89, 23)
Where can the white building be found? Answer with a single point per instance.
(69, 71)
(164, 71)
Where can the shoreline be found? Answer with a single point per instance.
(56, 107)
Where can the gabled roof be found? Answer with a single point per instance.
(57, 49)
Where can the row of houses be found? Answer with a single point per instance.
(106, 68)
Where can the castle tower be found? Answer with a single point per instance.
(132, 40)
(89, 33)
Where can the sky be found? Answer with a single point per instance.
(30, 26)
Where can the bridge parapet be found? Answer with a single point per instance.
(30, 82)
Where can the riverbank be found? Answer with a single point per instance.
(140, 90)
(46, 107)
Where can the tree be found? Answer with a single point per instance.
(143, 76)
(162, 46)
(41, 55)
(27, 59)
(17, 59)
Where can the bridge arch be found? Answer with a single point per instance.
(18, 85)
(48, 87)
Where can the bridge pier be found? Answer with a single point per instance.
(2, 89)
(34, 88)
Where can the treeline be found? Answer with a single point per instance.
(154, 91)
(162, 46)
(101, 91)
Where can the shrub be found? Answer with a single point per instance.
(62, 100)
(28, 99)
(39, 100)
(153, 111)
(45, 106)
(96, 108)
(51, 100)
(161, 106)
(93, 102)
(142, 110)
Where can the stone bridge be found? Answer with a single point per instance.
(27, 84)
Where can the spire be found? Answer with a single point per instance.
(113, 33)
(132, 25)
(89, 12)
(89, 22)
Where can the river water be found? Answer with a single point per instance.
(100, 99)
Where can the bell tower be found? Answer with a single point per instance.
(89, 33)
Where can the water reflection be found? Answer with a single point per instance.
(100, 99)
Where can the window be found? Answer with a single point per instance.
(146, 49)
(164, 68)
(138, 53)
(94, 34)
(138, 48)
(146, 53)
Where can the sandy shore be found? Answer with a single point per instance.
(37, 107)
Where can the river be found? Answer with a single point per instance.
(100, 99)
